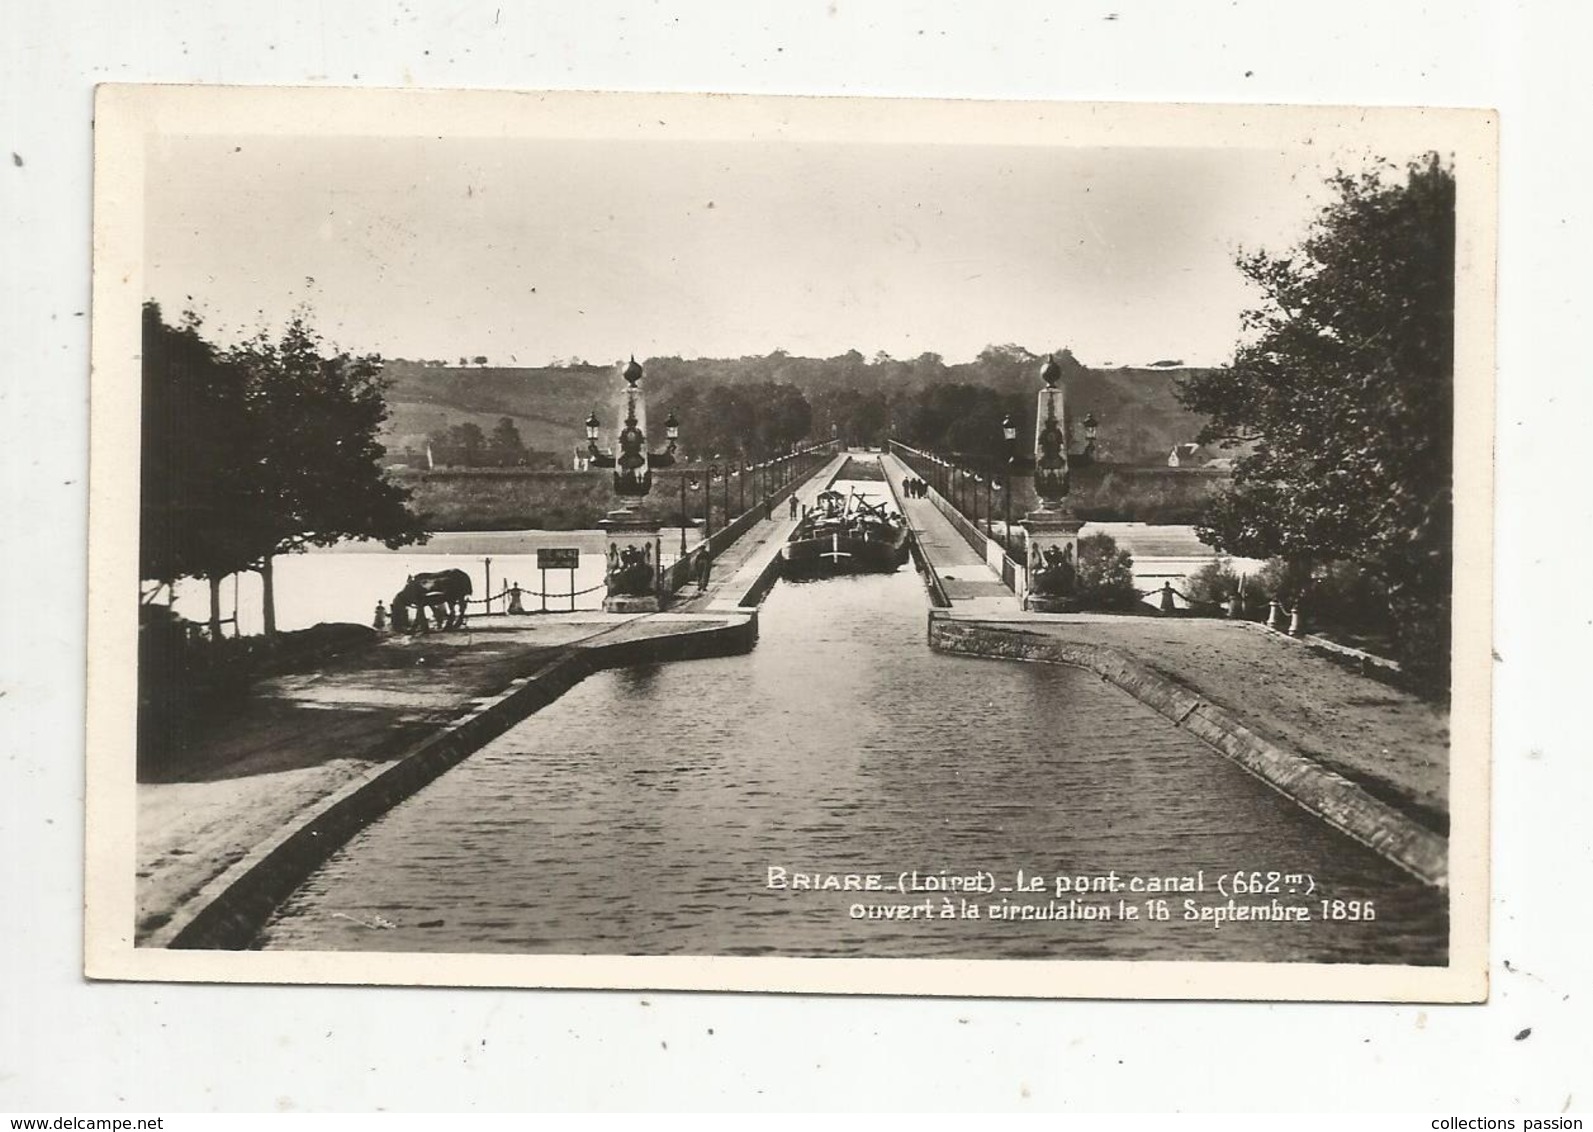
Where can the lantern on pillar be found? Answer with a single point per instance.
(1051, 574)
(633, 569)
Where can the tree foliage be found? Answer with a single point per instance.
(1213, 584)
(753, 421)
(960, 418)
(1346, 388)
(312, 423)
(1105, 574)
(194, 474)
(504, 445)
(261, 450)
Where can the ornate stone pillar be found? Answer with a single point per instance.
(1051, 578)
(631, 531)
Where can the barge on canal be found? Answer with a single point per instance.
(845, 534)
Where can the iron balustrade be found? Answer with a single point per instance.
(794, 471)
(943, 479)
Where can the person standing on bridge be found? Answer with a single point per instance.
(793, 505)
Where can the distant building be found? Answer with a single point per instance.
(1198, 456)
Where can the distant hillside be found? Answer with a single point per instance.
(548, 404)
(1138, 410)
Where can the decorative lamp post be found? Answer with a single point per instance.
(683, 514)
(1051, 577)
(672, 434)
(1009, 440)
(708, 500)
(634, 545)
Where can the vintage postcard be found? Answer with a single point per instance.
(781, 544)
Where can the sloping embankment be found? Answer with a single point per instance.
(1332, 797)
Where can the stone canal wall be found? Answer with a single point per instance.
(230, 911)
(1332, 797)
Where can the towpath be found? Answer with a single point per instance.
(974, 589)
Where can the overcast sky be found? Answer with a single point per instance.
(531, 250)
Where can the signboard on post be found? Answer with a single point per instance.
(558, 558)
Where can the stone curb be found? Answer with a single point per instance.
(229, 912)
(1330, 796)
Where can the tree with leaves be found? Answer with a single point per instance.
(194, 471)
(1345, 386)
(313, 417)
(504, 445)
(1105, 574)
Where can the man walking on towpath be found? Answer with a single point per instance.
(705, 567)
(793, 505)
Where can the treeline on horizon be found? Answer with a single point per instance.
(757, 406)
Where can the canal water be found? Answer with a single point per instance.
(646, 811)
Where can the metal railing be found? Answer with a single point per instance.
(683, 570)
(941, 477)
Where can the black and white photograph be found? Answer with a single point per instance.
(747, 543)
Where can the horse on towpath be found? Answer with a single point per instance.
(444, 593)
